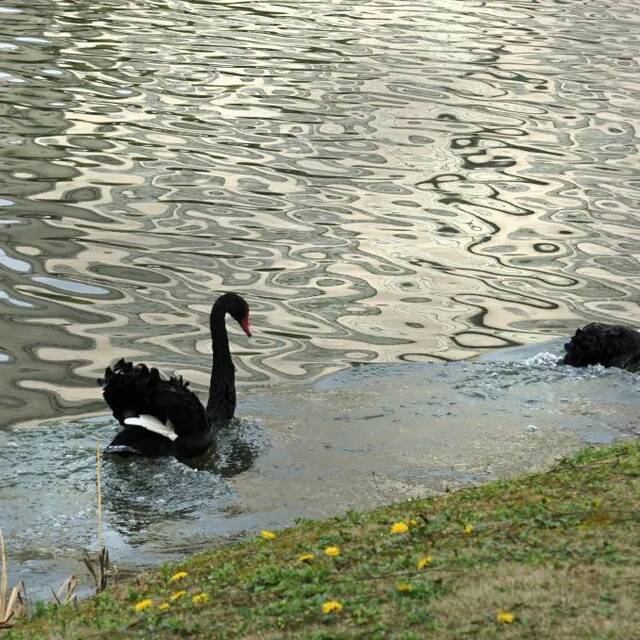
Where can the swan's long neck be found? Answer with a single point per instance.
(222, 388)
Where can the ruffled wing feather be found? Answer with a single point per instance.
(132, 391)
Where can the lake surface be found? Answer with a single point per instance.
(385, 182)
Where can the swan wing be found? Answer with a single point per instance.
(151, 423)
(139, 391)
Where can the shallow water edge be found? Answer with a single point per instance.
(359, 438)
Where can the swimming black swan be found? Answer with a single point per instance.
(610, 345)
(164, 417)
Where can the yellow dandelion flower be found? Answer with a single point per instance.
(331, 606)
(332, 552)
(468, 529)
(306, 557)
(142, 605)
(178, 576)
(413, 522)
(176, 595)
(404, 587)
(424, 562)
(200, 598)
(505, 617)
(164, 606)
(268, 535)
(399, 527)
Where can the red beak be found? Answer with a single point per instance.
(245, 325)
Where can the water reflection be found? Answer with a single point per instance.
(382, 181)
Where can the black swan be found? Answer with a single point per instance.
(611, 345)
(164, 417)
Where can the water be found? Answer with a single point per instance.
(383, 181)
(356, 439)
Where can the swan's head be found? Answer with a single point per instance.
(236, 306)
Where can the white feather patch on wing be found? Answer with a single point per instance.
(151, 423)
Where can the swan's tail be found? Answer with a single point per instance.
(605, 344)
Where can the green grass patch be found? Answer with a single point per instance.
(551, 555)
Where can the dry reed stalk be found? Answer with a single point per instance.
(4, 576)
(66, 592)
(100, 568)
(99, 496)
(13, 603)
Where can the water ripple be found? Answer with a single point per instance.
(384, 181)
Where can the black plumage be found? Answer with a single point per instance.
(606, 344)
(134, 391)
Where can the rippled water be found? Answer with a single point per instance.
(382, 180)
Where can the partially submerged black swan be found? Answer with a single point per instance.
(164, 417)
(610, 345)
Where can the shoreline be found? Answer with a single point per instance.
(553, 550)
(355, 440)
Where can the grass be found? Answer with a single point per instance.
(552, 555)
